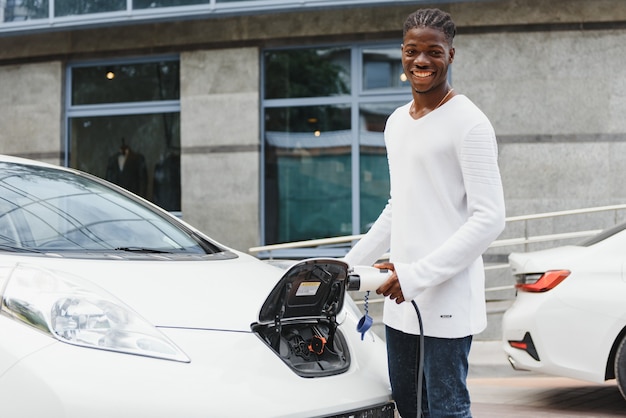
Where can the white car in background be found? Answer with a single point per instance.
(111, 307)
(569, 315)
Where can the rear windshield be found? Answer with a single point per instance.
(45, 209)
(603, 235)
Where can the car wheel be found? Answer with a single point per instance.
(620, 367)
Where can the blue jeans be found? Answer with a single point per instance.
(444, 388)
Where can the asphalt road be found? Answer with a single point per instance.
(544, 396)
(498, 391)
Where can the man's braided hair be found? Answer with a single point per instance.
(431, 18)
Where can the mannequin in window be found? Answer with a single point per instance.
(128, 169)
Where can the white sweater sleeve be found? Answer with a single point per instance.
(375, 243)
(485, 221)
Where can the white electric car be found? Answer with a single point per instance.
(111, 307)
(569, 315)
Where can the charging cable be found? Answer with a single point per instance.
(365, 278)
(420, 361)
(365, 323)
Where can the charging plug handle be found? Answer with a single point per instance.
(364, 278)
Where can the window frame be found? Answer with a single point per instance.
(210, 8)
(112, 109)
(358, 96)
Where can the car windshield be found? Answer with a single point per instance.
(45, 209)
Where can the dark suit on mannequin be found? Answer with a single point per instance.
(128, 169)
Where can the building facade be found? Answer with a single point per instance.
(260, 121)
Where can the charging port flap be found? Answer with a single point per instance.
(298, 319)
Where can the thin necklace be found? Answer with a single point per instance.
(444, 98)
(439, 104)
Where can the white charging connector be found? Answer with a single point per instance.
(364, 278)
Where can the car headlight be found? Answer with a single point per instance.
(76, 311)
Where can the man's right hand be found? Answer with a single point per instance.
(391, 288)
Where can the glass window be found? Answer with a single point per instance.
(325, 160)
(133, 82)
(83, 7)
(146, 4)
(123, 124)
(307, 72)
(19, 10)
(382, 68)
(138, 152)
(373, 167)
(307, 172)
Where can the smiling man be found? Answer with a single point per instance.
(446, 206)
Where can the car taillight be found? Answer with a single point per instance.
(548, 280)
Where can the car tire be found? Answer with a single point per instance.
(620, 367)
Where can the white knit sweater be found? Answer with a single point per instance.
(446, 208)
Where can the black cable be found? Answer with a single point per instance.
(420, 361)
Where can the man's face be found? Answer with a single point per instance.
(426, 56)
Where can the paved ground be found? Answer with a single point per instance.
(498, 391)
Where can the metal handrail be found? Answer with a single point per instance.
(566, 213)
(525, 240)
(498, 243)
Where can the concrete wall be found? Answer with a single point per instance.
(220, 142)
(557, 101)
(31, 110)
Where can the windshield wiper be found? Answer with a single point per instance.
(12, 248)
(142, 250)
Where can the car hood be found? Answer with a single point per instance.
(226, 294)
(541, 261)
(211, 294)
